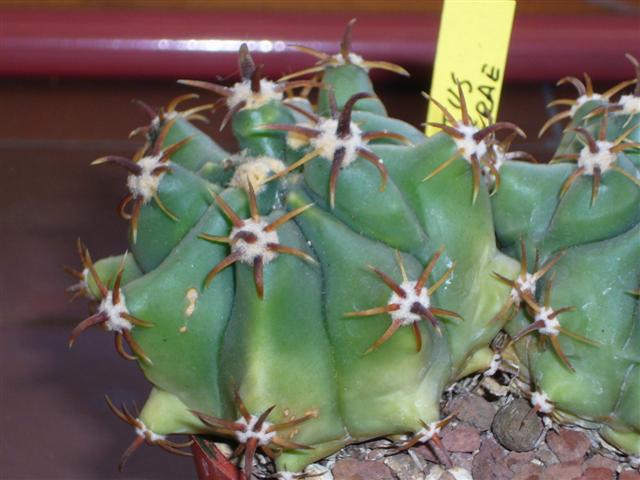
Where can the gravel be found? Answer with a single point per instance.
(492, 438)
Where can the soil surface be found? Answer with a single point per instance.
(493, 435)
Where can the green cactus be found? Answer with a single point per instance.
(324, 285)
(582, 221)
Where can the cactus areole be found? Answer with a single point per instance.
(324, 284)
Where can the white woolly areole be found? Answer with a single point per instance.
(166, 116)
(493, 366)
(542, 402)
(526, 284)
(551, 325)
(581, 100)
(404, 315)
(630, 105)
(603, 158)
(497, 159)
(145, 184)
(113, 312)
(468, 144)
(256, 171)
(241, 92)
(85, 278)
(354, 59)
(426, 434)
(82, 284)
(296, 141)
(249, 251)
(144, 432)
(328, 141)
(263, 436)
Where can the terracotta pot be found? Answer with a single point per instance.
(211, 464)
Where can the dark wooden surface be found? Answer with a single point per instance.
(421, 6)
(54, 422)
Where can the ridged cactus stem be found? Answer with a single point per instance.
(324, 284)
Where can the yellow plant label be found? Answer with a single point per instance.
(472, 48)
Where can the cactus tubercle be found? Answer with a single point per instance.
(255, 432)
(410, 302)
(253, 241)
(112, 312)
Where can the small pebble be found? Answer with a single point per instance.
(521, 463)
(568, 445)
(629, 475)
(512, 432)
(489, 462)
(404, 467)
(597, 473)
(507, 452)
(473, 409)
(598, 461)
(545, 455)
(426, 452)
(520, 457)
(455, 473)
(376, 454)
(564, 471)
(319, 472)
(527, 471)
(430, 453)
(463, 460)
(461, 438)
(349, 469)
